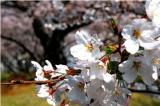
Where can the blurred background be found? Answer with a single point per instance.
(40, 30)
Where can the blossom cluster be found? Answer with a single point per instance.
(100, 75)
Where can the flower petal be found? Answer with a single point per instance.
(125, 66)
(80, 52)
(127, 32)
(131, 46)
(36, 65)
(82, 37)
(51, 101)
(130, 75)
(146, 72)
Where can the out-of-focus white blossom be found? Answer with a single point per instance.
(152, 9)
(152, 57)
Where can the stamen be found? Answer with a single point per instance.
(136, 33)
(137, 65)
(117, 92)
(80, 85)
(89, 47)
(156, 61)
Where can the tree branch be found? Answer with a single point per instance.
(21, 45)
(144, 91)
(13, 82)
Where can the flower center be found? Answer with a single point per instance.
(117, 92)
(137, 65)
(136, 33)
(80, 85)
(156, 61)
(89, 47)
(99, 66)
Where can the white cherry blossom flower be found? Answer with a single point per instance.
(116, 95)
(111, 93)
(152, 57)
(87, 47)
(61, 70)
(43, 91)
(136, 66)
(152, 10)
(140, 33)
(39, 71)
(93, 70)
(76, 90)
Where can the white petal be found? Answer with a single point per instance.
(40, 78)
(137, 23)
(130, 75)
(127, 32)
(76, 95)
(146, 73)
(36, 65)
(39, 74)
(110, 81)
(156, 19)
(131, 46)
(152, 10)
(61, 69)
(51, 101)
(60, 66)
(108, 77)
(48, 63)
(80, 52)
(97, 53)
(42, 91)
(150, 45)
(125, 66)
(48, 68)
(155, 73)
(82, 37)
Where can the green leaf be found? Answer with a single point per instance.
(113, 66)
(108, 50)
(114, 26)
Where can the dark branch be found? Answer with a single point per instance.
(39, 31)
(13, 82)
(21, 45)
(144, 91)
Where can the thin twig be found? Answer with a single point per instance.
(28, 82)
(144, 91)
(13, 82)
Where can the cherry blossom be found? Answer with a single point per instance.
(152, 9)
(87, 47)
(91, 81)
(140, 33)
(136, 66)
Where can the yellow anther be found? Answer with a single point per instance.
(113, 47)
(137, 65)
(89, 47)
(100, 66)
(80, 86)
(117, 92)
(156, 61)
(136, 33)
